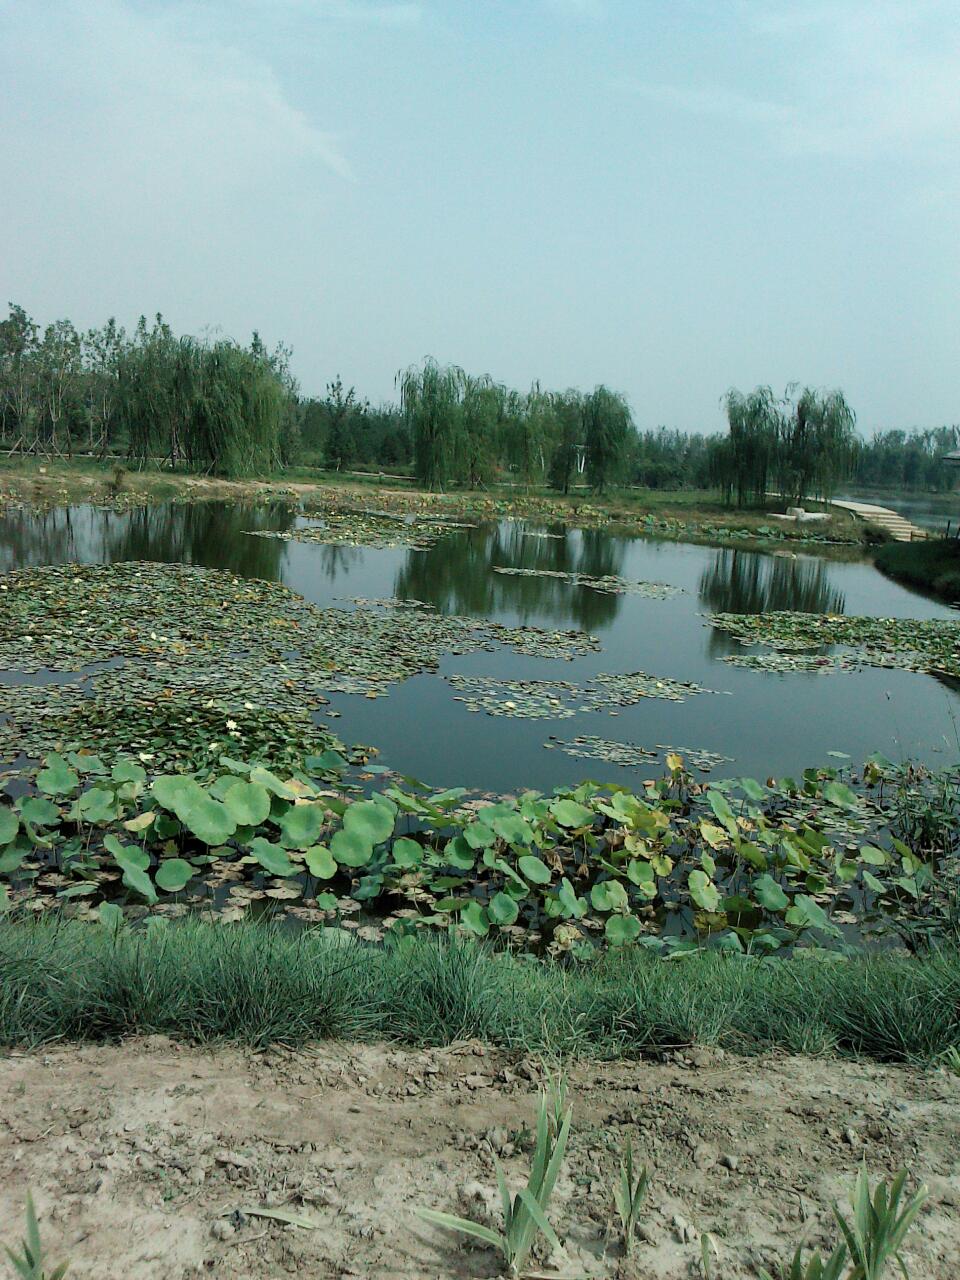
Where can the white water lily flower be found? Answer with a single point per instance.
(232, 724)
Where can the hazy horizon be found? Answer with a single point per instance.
(671, 199)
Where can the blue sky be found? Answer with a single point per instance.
(672, 198)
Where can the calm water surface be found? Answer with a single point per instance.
(770, 724)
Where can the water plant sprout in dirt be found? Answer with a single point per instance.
(347, 1139)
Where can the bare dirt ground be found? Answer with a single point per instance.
(149, 1161)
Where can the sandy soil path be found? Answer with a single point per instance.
(146, 1159)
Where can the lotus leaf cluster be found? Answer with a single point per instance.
(609, 583)
(738, 866)
(179, 663)
(928, 644)
(562, 699)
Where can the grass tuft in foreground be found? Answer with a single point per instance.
(28, 1263)
(257, 984)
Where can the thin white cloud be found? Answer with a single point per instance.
(714, 102)
(399, 14)
(857, 79)
(591, 9)
(115, 90)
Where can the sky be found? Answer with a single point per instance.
(672, 198)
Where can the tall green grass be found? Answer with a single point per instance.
(258, 984)
(932, 565)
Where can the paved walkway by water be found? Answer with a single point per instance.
(899, 528)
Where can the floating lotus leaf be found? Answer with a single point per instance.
(301, 825)
(351, 848)
(248, 803)
(369, 820)
(208, 819)
(507, 824)
(769, 894)
(97, 805)
(272, 857)
(571, 814)
(9, 825)
(407, 853)
(534, 869)
(609, 895)
(502, 909)
(703, 891)
(57, 779)
(39, 812)
(620, 930)
(173, 874)
(320, 862)
(474, 917)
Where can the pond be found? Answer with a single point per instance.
(762, 723)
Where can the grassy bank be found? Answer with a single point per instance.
(257, 984)
(933, 566)
(683, 515)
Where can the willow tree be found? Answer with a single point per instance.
(568, 407)
(483, 406)
(103, 349)
(431, 400)
(748, 459)
(19, 336)
(233, 421)
(817, 442)
(607, 431)
(148, 411)
(211, 406)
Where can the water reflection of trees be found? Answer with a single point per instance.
(334, 560)
(456, 574)
(208, 533)
(745, 582)
(29, 538)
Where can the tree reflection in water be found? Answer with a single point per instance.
(456, 574)
(747, 582)
(207, 533)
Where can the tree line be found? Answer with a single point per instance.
(216, 405)
(149, 396)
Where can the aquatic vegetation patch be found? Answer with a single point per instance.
(818, 663)
(560, 699)
(929, 644)
(342, 524)
(519, 699)
(359, 530)
(630, 755)
(676, 864)
(181, 662)
(588, 747)
(696, 757)
(610, 583)
(174, 662)
(628, 687)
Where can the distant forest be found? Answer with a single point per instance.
(215, 405)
